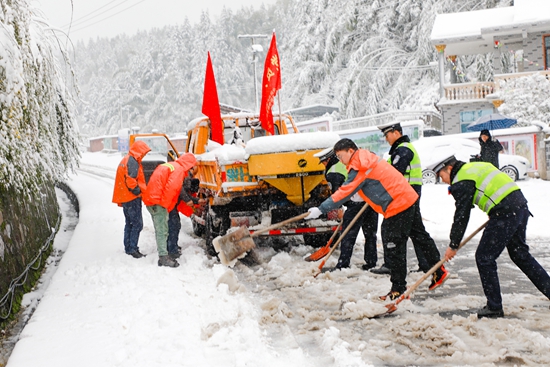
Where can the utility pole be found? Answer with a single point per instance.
(255, 50)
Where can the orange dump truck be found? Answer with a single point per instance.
(257, 179)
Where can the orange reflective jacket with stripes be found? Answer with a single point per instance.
(378, 183)
(166, 181)
(129, 179)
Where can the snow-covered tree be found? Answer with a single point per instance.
(38, 141)
(365, 56)
(532, 91)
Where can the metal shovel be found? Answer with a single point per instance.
(236, 244)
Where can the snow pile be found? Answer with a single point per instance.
(223, 154)
(291, 142)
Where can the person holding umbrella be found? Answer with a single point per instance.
(489, 148)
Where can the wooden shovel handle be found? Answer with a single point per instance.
(343, 234)
(280, 224)
(435, 267)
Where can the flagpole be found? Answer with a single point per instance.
(279, 102)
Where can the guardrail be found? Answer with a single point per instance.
(463, 91)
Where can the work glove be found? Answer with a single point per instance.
(314, 213)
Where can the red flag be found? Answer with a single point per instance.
(211, 104)
(271, 83)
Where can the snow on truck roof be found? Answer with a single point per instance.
(291, 142)
(228, 153)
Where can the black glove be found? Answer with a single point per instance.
(454, 246)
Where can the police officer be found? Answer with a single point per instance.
(405, 159)
(336, 174)
(497, 195)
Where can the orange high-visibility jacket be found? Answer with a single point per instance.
(130, 180)
(165, 183)
(377, 182)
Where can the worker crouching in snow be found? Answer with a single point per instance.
(129, 186)
(376, 182)
(161, 196)
(497, 195)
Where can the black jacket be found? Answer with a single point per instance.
(335, 179)
(463, 193)
(401, 158)
(489, 151)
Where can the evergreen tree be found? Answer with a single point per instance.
(39, 142)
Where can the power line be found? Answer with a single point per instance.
(78, 20)
(110, 16)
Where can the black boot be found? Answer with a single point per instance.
(487, 312)
(381, 270)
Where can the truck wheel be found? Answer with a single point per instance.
(198, 229)
(209, 236)
(317, 240)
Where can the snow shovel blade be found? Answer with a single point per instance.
(233, 246)
(323, 251)
(319, 254)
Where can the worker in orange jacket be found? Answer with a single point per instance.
(161, 197)
(374, 181)
(129, 186)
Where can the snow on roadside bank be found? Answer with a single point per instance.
(104, 308)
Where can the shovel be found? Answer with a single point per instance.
(341, 237)
(323, 251)
(234, 245)
(393, 306)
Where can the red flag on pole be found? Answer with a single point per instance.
(271, 83)
(211, 104)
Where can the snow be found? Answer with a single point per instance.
(291, 142)
(224, 154)
(104, 308)
(473, 23)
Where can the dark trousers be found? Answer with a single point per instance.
(174, 227)
(369, 222)
(370, 228)
(507, 231)
(424, 245)
(395, 233)
(133, 225)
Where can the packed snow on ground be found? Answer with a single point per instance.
(105, 308)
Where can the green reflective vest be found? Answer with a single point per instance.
(492, 185)
(413, 174)
(339, 168)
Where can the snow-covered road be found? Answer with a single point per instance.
(104, 308)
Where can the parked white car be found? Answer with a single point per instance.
(434, 149)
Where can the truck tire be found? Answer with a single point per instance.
(209, 236)
(318, 240)
(198, 229)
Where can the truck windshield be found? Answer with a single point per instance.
(159, 148)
